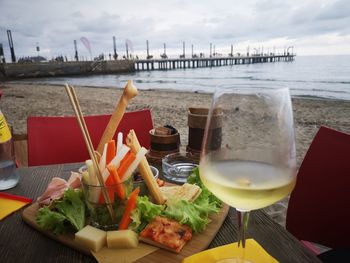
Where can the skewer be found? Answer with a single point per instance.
(76, 107)
(97, 154)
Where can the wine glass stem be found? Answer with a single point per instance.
(242, 218)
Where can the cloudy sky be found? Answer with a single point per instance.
(311, 27)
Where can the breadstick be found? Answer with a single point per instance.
(145, 170)
(130, 92)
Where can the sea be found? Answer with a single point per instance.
(306, 76)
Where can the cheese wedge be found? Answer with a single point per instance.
(122, 239)
(188, 192)
(91, 237)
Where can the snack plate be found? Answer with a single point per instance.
(198, 242)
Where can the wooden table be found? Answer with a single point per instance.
(21, 243)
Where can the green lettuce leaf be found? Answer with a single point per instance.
(196, 214)
(187, 213)
(52, 221)
(64, 215)
(144, 213)
(73, 208)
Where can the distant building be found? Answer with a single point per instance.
(38, 59)
(31, 59)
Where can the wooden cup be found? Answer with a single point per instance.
(197, 119)
(162, 145)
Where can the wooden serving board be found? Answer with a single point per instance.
(198, 242)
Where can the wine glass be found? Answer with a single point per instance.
(248, 154)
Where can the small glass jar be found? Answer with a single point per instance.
(178, 166)
(97, 206)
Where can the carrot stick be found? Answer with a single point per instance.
(109, 182)
(119, 186)
(110, 151)
(130, 205)
(125, 163)
(116, 160)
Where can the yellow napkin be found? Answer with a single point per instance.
(10, 203)
(108, 255)
(253, 253)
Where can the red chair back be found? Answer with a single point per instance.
(319, 206)
(54, 140)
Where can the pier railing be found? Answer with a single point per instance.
(175, 63)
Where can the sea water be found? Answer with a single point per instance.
(306, 76)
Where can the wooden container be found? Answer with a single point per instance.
(197, 119)
(162, 145)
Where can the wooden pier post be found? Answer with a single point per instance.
(147, 49)
(183, 49)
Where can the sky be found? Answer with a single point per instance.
(306, 27)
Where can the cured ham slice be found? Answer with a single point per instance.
(74, 180)
(56, 188)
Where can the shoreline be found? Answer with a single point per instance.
(38, 83)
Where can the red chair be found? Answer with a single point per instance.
(54, 140)
(319, 206)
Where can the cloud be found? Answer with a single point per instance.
(336, 10)
(56, 24)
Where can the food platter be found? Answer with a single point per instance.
(198, 243)
(182, 219)
(190, 202)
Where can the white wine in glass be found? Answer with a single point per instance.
(250, 163)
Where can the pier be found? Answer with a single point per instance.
(50, 69)
(176, 63)
(57, 69)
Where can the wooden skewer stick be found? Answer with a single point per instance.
(76, 107)
(130, 92)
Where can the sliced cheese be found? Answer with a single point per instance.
(91, 237)
(122, 239)
(188, 192)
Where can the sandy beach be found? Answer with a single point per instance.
(168, 107)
